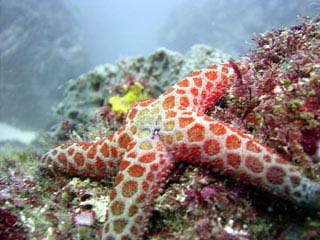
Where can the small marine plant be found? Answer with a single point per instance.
(125, 96)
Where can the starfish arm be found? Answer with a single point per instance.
(227, 150)
(97, 160)
(159, 133)
(202, 89)
(142, 173)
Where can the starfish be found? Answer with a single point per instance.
(159, 133)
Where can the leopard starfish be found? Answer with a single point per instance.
(158, 133)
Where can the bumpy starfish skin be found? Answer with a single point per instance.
(159, 133)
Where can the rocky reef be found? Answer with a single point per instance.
(278, 102)
(84, 97)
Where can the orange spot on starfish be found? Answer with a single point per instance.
(114, 152)
(100, 164)
(224, 79)
(233, 160)
(217, 129)
(119, 225)
(145, 186)
(209, 85)
(132, 210)
(266, 158)
(70, 151)
(179, 136)
(89, 167)
(183, 83)
(169, 125)
(150, 176)
(254, 164)
(194, 91)
(62, 158)
(196, 73)
(233, 142)
(145, 145)
(124, 140)
(141, 197)
(218, 164)
(132, 155)
(129, 188)
(185, 121)
(134, 230)
(110, 164)
(244, 177)
(132, 113)
(113, 194)
(123, 165)
(79, 158)
(180, 91)
(197, 82)
(136, 170)
(168, 102)
(105, 150)
(117, 208)
(184, 101)
(213, 66)
(118, 179)
(171, 114)
(154, 167)
(196, 133)
(147, 158)
(92, 151)
(275, 175)
(211, 75)
(145, 103)
(211, 147)
(169, 140)
(133, 130)
(253, 147)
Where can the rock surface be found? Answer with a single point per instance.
(85, 96)
(39, 51)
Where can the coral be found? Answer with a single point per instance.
(158, 134)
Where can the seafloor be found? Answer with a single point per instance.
(278, 102)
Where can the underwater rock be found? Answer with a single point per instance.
(279, 100)
(39, 50)
(197, 204)
(84, 96)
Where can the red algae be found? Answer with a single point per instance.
(278, 99)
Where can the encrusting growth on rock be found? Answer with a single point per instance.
(159, 133)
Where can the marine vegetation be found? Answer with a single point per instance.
(279, 100)
(131, 92)
(272, 94)
(160, 133)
